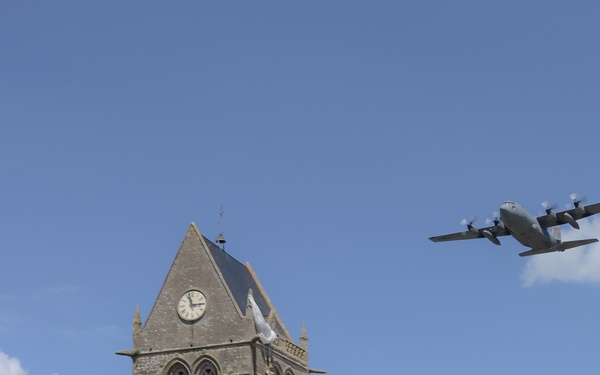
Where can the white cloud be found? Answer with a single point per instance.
(577, 265)
(10, 366)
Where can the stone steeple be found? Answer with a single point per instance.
(200, 323)
(137, 327)
(304, 338)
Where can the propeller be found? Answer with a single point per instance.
(497, 220)
(577, 202)
(549, 208)
(469, 224)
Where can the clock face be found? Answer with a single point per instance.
(192, 305)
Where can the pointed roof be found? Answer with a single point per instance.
(238, 278)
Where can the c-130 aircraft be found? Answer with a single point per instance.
(514, 220)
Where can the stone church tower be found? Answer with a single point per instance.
(202, 322)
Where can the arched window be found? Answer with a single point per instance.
(276, 369)
(178, 369)
(207, 368)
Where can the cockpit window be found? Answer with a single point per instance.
(511, 204)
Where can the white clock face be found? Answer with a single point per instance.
(192, 305)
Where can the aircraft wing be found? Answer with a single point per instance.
(560, 218)
(562, 247)
(494, 230)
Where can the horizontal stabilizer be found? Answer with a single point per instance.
(562, 247)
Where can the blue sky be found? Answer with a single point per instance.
(337, 136)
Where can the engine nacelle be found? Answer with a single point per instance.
(491, 237)
(569, 219)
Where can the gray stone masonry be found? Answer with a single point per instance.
(224, 338)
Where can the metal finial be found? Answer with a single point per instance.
(220, 239)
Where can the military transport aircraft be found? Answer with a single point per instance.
(528, 230)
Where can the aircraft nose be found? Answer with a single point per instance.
(504, 208)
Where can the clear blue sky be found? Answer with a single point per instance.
(338, 136)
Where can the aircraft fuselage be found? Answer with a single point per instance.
(525, 228)
(530, 231)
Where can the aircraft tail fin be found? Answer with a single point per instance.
(561, 247)
(556, 233)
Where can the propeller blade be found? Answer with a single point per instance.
(496, 219)
(549, 208)
(469, 224)
(576, 202)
